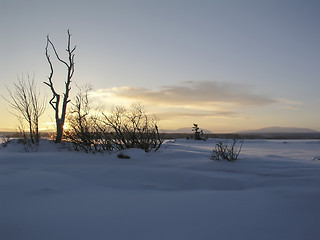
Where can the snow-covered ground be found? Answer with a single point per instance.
(271, 192)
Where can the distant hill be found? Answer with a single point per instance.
(280, 130)
(186, 130)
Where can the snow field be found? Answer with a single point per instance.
(271, 192)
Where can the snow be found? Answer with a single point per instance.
(271, 192)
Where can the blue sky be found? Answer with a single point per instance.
(227, 65)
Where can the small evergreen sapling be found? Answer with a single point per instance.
(198, 135)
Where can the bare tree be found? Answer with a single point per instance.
(55, 100)
(28, 105)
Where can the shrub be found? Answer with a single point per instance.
(222, 151)
(27, 144)
(122, 128)
(5, 141)
(133, 128)
(85, 131)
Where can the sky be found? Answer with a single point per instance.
(227, 65)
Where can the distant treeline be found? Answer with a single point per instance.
(20, 135)
(218, 135)
(248, 135)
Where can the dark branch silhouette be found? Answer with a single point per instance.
(55, 100)
(28, 106)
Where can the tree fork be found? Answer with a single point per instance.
(55, 96)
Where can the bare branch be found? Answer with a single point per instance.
(26, 102)
(56, 53)
(55, 100)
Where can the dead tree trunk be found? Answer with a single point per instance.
(55, 100)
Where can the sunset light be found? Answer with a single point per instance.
(232, 66)
(159, 119)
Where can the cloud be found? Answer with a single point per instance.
(188, 100)
(201, 94)
(196, 114)
(289, 104)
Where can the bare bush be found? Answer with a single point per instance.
(27, 144)
(222, 151)
(5, 141)
(133, 128)
(92, 130)
(85, 131)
